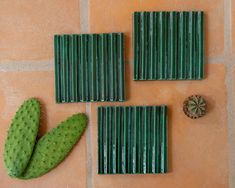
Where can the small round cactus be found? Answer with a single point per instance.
(195, 106)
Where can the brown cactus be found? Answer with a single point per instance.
(195, 106)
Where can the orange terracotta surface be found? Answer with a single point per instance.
(18, 86)
(198, 150)
(116, 16)
(27, 28)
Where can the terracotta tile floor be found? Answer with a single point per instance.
(118, 17)
(201, 152)
(27, 29)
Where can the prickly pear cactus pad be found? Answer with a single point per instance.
(21, 137)
(53, 147)
(195, 106)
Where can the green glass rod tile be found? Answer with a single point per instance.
(132, 140)
(168, 45)
(89, 67)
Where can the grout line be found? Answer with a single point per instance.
(48, 65)
(21, 66)
(89, 147)
(84, 16)
(227, 28)
(84, 28)
(231, 129)
(223, 59)
(230, 88)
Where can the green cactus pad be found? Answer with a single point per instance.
(21, 137)
(53, 147)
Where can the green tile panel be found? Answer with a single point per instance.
(89, 67)
(132, 139)
(168, 45)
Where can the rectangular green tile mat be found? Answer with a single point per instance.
(132, 140)
(89, 67)
(168, 45)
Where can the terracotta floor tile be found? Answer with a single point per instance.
(18, 86)
(116, 16)
(198, 152)
(27, 28)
